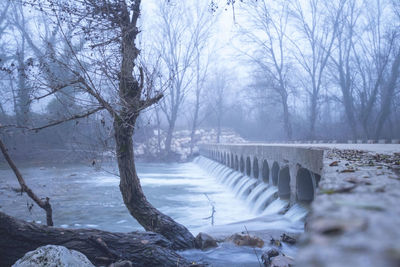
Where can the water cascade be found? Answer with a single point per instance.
(260, 197)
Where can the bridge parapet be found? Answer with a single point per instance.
(296, 171)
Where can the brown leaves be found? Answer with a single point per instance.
(334, 163)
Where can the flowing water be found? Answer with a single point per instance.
(83, 196)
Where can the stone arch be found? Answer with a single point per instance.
(236, 163)
(304, 185)
(265, 171)
(256, 171)
(241, 164)
(275, 173)
(248, 166)
(284, 183)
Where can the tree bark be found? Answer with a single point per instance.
(130, 93)
(135, 200)
(101, 248)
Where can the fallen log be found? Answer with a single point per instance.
(102, 248)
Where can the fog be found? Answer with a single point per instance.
(269, 71)
(105, 106)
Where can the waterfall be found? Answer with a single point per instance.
(277, 206)
(264, 199)
(297, 212)
(246, 188)
(259, 196)
(256, 192)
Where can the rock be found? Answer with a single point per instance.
(267, 255)
(204, 241)
(281, 261)
(288, 239)
(246, 240)
(53, 256)
(275, 242)
(124, 263)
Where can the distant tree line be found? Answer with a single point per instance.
(301, 70)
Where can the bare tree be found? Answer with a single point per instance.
(23, 92)
(201, 72)
(342, 58)
(388, 92)
(268, 32)
(313, 48)
(184, 33)
(110, 78)
(373, 55)
(217, 95)
(4, 56)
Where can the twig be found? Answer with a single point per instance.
(213, 211)
(254, 249)
(24, 188)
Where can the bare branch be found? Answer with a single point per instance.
(44, 204)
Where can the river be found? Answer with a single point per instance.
(83, 196)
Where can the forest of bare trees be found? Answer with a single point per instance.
(296, 70)
(98, 77)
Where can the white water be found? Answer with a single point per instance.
(260, 198)
(256, 192)
(84, 197)
(264, 199)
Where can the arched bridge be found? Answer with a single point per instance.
(296, 171)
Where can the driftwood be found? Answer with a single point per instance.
(102, 248)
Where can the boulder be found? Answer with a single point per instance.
(53, 256)
(204, 241)
(275, 242)
(288, 239)
(282, 261)
(246, 240)
(267, 255)
(273, 258)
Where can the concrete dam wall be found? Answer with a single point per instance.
(296, 171)
(353, 189)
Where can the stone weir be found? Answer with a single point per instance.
(296, 171)
(354, 193)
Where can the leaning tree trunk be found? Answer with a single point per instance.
(148, 216)
(101, 248)
(130, 93)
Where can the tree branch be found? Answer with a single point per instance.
(43, 204)
(78, 116)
